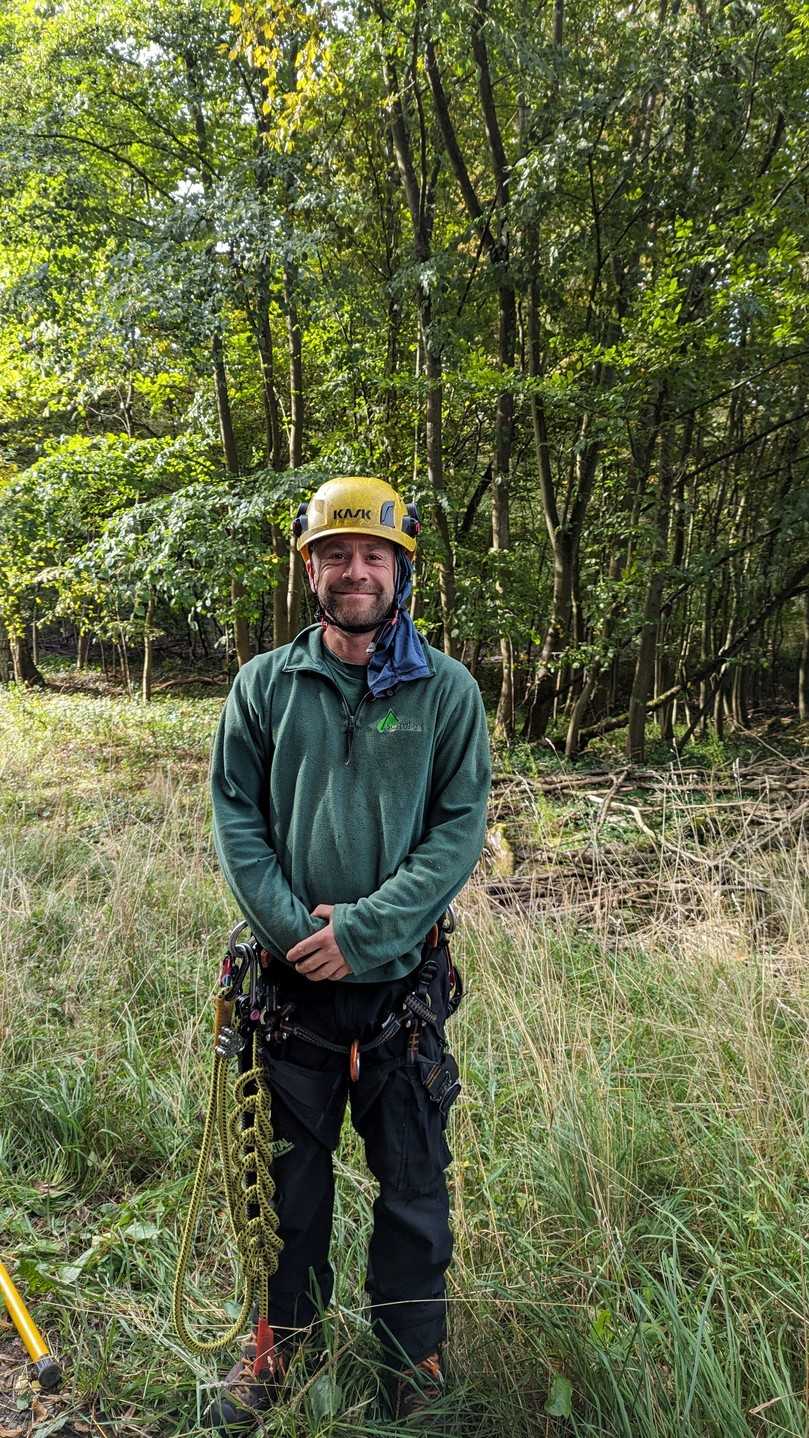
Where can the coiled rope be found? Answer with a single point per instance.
(246, 1151)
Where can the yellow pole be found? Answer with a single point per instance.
(45, 1368)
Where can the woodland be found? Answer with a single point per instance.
(543, 266)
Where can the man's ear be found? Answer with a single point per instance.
(310, 570)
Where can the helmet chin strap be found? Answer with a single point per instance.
(327, 616)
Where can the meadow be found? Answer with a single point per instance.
(631, 1174)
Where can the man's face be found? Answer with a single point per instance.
(354, 577)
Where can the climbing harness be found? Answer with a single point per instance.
(250, 1012)
(440, 1078)
(246, 1152)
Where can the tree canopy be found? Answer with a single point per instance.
(543, 266)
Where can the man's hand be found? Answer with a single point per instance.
(319, 957)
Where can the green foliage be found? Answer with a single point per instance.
(50, 512)
(189, 188)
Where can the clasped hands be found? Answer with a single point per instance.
(319, 956)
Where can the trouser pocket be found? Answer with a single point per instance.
(403, 1132)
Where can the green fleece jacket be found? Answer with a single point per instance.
(381, 812)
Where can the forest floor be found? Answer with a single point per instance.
(630, 1192)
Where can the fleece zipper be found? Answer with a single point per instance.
(351, 719)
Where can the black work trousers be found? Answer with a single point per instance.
(405, 1147)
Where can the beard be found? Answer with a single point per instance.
(361, 610)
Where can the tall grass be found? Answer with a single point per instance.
(631, 1155)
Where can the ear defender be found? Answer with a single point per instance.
(411, 524)
(299, 523)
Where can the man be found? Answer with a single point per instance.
(350, 776)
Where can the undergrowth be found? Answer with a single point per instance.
(630, 1192)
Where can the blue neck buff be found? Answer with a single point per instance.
(398, 655)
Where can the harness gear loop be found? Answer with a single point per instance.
(245, 1141)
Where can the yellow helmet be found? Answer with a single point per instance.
(356, 504)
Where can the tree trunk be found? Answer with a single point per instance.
(501, 529)
(25, 670)
(579, 710)
(564, 528)
(645, 663)
(541, 701)
(272, 424)
(226, 432)
(274, 445)
(122, 649)
(6, 667)
(803, 672)
(665, 679)
(148, 652)
(296, 419)
(435, 468)
(420, 195)
(497, 250)
(739, 710)
(241, 626)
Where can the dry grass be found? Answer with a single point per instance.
(629, 1186)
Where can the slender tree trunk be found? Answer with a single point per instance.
(125, 663)
(241, 627)
(274, 444)
(272, 424)
(579, 710)
(148, 652)
(296, 421)
(501, 527)
(497, 249)
(668, 712)
(803, 672)
(420, 196)
(434, 420)
(645, 663)
(540, 699)
(6, 666)
(226, 431)
(739, 709)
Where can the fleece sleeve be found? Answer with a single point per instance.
(395, 919)
(240, 789)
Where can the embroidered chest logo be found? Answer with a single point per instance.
(392, 724)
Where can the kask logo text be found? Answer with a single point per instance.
(351, 514)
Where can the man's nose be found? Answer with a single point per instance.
(354, 567)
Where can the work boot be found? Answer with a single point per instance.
(417, 1391)
(243, 1398)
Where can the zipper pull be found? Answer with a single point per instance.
(349, 737)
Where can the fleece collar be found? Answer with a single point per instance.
(306, 655)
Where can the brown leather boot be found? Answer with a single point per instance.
(417, 1392)
(243, 1398)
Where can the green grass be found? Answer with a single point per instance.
(630, 1189)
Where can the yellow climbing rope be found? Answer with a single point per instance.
(246, 1151)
